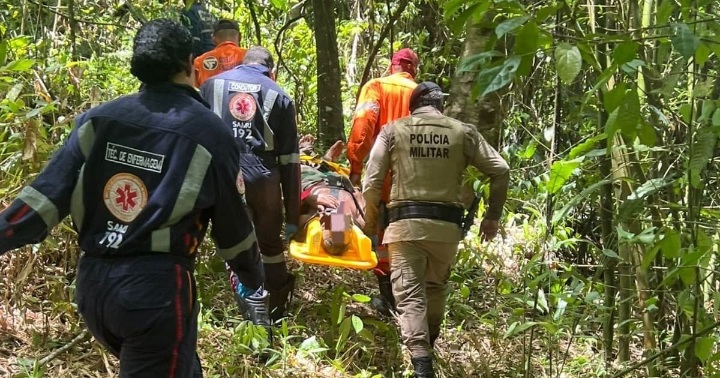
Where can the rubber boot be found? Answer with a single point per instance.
(423, 367)
(255, 309)
(280, 299)
(385, 303)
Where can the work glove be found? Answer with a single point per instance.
(290, 230)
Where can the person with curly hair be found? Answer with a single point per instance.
(141, 177)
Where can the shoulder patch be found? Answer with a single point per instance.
(210, 63)
(125, 195)
(244, 87)
(243, 106)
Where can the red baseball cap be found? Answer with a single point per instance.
(405, 55)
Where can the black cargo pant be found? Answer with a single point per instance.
(143, 309)
(264, 199)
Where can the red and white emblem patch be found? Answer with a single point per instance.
(125, 195)
(243, 106)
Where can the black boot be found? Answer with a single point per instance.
(255, 309)
(280, 299)
(423, 367)
(385, 303)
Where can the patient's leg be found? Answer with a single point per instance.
(334, 152)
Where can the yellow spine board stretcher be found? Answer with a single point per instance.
(359, 254)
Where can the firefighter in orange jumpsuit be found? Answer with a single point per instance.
(381, 101)
(226, 55)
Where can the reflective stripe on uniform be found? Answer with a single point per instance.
(77, 203)
(232, 252)
(268, 106)
(41, 204)
(86, 137)
(191, 185)
(187, 196)
(160, 240)
(217, 96)
(277, 259)
(289, 159)
(368, 105)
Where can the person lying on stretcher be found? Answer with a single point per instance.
(328, 194)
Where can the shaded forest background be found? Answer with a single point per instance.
(606, 110)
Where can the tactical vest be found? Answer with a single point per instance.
(427, 160)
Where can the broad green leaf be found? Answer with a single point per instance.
(687, 275)
(470, 63)
(614, 97)
(498, 77)
(568, 62)
(624, 235)
(529, 151)
(647, 134)
(361, 298)
(716, 118)
(19, 65)
(14, 92)
(452, 7)
(702, 152)
(702, 54)
(279, 4)
(357, 324)
(684, 111)
(708, 107)
(3, 52)
(632, 66)
(543, 13)
(704, 347)
(664, 12)
(587, 145)
(560, 172)
(704, 243)
(611, 125)
(625, 52)
(459, 23)
(516, 328)
(610, 253)
(649, 187)
(526, 45)
(509, 25)
(684, 41)
(629, 114)
(557, 216)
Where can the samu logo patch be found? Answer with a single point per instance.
(210, 63)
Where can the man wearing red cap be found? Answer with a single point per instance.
(226, 55)
(381, 101)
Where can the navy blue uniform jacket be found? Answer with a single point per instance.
(200, 23)
(262, 118)
(142, 174)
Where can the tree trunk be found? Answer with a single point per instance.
(484, 114)
(329, 99)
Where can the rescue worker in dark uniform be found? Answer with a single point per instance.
(427, 154)
(141, 177)
(262, 119)
(200, 23)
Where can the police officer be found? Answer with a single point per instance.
(427, 154)
(200, 23)
(381, 101)
(262, 119)
(226, 54)
(141, 177)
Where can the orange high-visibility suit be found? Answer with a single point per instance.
(381, 101)
(225, 56)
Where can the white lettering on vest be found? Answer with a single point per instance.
(429, 146)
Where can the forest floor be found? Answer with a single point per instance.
(357, 343)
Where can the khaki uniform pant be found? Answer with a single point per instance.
(420, 272)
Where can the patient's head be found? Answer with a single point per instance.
(337, 232)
